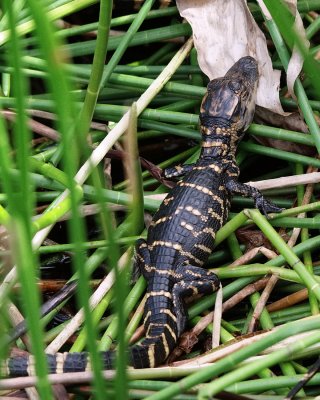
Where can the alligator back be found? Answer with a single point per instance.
(184, 228)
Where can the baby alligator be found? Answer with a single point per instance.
(182, 232)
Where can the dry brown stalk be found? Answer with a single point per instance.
(216, 328)
(289, 301)
(140, 330)
(35, 126)
(249, 255)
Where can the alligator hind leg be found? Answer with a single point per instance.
(142, 260)
(191, 281)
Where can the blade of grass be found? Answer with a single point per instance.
(99, 57)
(140, 38)
(54, 14)
(133, 172)
(21, 205)
(125, 40)
(66, 113)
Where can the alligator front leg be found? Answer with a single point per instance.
(142, 262)
(190, 281)
(263, 205)
(178, 170)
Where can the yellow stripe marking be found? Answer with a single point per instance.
(211, 166)
(161, 293)
(148, 315)
(203, 190)
(139, 256)
(205, 130)
(31, 366)
(210, 231)
(165, 326)
(187, 226)
(195, 274)
(204, 248)
(149, 268)
(193, 211)
(209, 143)
(215, 167)
(167, 200)
(60, 359)
(232, 174)
(168, 312)
(173, 335)
(151, 355)
(175, 246)
(189, 255)
(215, 215)
(165, 344)
(167, 272)
(160, 220)
(152, 324)
(88, 365)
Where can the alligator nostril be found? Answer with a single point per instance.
(234, 86)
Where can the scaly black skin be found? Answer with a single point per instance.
(182, 233)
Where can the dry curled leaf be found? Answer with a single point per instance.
(225, 31)
(252, 238)
(292, 122)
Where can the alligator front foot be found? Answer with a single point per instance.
(265, 206)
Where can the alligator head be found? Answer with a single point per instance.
(230, 100)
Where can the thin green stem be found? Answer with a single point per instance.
(307, 278)
(219, 384)
(52, 15)
(97, 68)
(283, 21)
(21, 206)
(125, 40)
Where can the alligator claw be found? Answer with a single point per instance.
(266, 206)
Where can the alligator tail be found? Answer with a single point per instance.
(150, 353)
(56, 363)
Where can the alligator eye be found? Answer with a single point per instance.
(234, 86)
(237, 110)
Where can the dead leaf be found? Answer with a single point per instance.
(225, 31)
(252, 238)
(292, 122)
